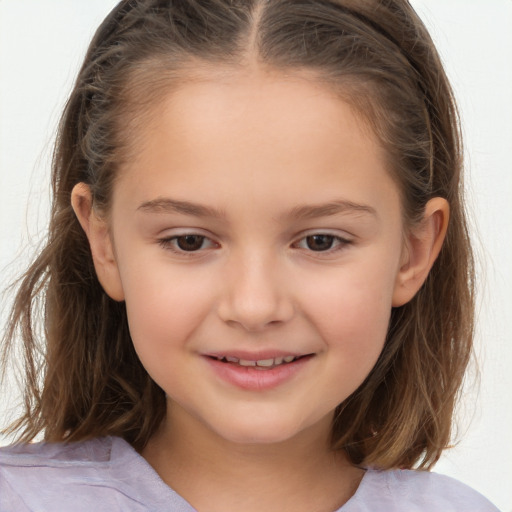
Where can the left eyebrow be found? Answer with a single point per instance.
(305, 212)
(167, 205)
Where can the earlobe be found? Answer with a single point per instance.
(100, 241)
(422, 249)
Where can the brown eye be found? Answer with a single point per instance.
(190, 242)
(320, 242)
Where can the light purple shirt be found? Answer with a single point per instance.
(107, 474)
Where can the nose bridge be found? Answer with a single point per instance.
(255, 292)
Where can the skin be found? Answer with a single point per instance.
(267, 162)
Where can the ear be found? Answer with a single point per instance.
(100, 241)
(422, 247)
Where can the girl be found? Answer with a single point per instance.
(257, 282)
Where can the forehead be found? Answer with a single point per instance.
(204, 88)
(224, 133)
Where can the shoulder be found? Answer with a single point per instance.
(100, 474)
(56, 458)
(415, 491)
(56, 454)
(41, 472)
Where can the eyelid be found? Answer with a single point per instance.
(342, 241)
(167, 242)
(344, 236)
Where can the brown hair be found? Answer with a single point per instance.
(83, 378)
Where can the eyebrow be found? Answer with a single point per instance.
(167, 205)
(331, 208)
(303, 212)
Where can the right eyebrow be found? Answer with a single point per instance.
(168, 205)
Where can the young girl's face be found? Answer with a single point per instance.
(258, 243)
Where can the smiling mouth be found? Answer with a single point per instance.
(260, 364)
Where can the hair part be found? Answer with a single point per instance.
(379, 57)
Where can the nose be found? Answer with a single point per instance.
(255, 294)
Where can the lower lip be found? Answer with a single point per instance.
(252, 379)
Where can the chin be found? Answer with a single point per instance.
(259, 433)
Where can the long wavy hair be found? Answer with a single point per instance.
(82, 377)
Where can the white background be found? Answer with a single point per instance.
(42, 43)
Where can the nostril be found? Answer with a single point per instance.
(255, 301)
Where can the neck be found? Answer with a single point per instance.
(214, 474)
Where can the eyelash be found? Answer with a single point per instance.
(171, 243)
(337, 243)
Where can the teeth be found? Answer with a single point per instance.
(264, 363)
(244, 362)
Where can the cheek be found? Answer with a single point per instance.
(351, 309)
(164, 306)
